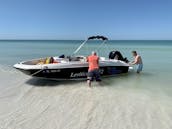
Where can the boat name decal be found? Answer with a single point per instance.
(80, 74)
(83, 74)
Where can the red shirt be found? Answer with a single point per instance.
(93, 62)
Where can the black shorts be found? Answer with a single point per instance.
(94, 74)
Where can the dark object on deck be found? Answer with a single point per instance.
(62, 56)
(117, 55)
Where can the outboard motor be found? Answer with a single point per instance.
(117, 55)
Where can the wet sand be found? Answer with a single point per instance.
(28, 103)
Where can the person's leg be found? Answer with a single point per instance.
(89, 78)
(139, 68)
(89, 82)
(97, 75)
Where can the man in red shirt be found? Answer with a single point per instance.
(93, 71)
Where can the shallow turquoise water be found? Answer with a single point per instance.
(157, 58)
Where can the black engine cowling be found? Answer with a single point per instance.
(117, 55)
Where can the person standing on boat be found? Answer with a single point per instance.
(93, 71)
(137, 61)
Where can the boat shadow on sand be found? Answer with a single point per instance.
(106, 81)
(53, 83)
(50, 83)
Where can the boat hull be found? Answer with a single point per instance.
(73, 73)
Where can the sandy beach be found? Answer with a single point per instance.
(27, 103)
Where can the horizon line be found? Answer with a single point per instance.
(84, 39)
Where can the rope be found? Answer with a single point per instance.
(39, 71)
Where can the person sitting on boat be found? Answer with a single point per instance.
(49, 60)
(137, 61)
(93, 71)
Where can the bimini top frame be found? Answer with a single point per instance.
(103, 38)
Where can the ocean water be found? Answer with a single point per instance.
(129, 101)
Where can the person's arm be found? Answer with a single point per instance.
(136, 60)
(131, 62)
(98, 61)
(87, 59)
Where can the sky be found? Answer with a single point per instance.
(78, 19)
